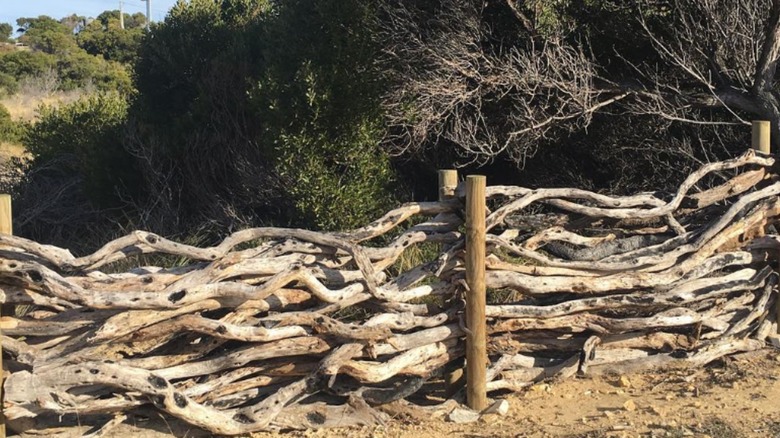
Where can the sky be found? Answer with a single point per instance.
(10, 10)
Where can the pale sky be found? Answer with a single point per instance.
(10, 10)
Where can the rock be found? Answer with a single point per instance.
(630, 406)
(624, 382)
(541, 387)
(454, 376)
(657, 411)
(622, 427)
(500, 407)
(774, 340)
(461, 415)
(672, 423)
(670, 396)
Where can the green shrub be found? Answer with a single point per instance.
(85, 138)
(10, 130)
(268, 110)
(8, 85)
(104, 37)
(340, 182)
(320, 99)
(81, 69)
(45, 34)
(74, 68)
(19, 64)
(6, 30)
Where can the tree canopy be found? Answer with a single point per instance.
(104, 37)
(6, 30)
(72, 53)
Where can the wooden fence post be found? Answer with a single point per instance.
(761, 132)
(448, 182)
(6, 227)
(476, 337)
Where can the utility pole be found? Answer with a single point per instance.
(121, 16)
(148, 14)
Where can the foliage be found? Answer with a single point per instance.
(10, 130)
(323, 110)
(47, 35)
(104, 36)
(193, 75)
(236, 93)
(6, 30)
(316, 114)
(54, 48)
(75, 23)
(8, 84)
(19, 64)
(88, 132)
(82, 69)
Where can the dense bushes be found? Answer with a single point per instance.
(104, 36)
(25, 64)
(321, 107)
(322, 114)
(85, 139)
(52, 51)
(271, 96)
(246, 113)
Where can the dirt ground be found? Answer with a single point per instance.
(734, 397)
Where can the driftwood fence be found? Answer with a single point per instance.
(287, 328)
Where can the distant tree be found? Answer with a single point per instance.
(137, 20)
(80, 69)
(19, 64)
(104, 37)
(6, 30)
(74, 22)
(110, 19)
(46, 35)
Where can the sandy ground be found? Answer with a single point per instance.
(734, 397)
(737, 397)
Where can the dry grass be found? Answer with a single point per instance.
(9, 150)
(24, 105)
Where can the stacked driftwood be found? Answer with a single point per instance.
(286, 328)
